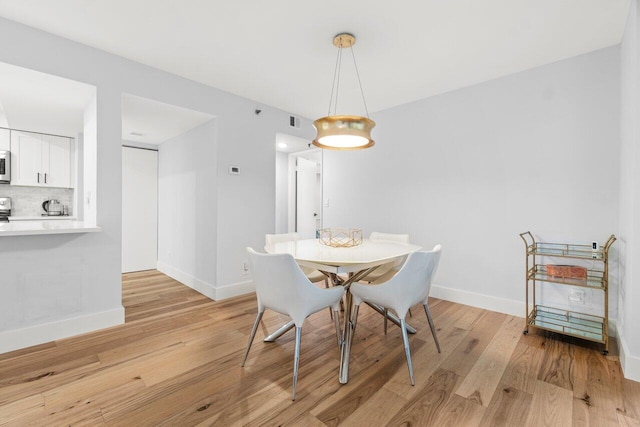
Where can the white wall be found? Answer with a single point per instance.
(78, 173)
(473, 168)
(187, 181)
(82, 272)
(282, 192)
(629, 234)
(246, 202)
(89, 164)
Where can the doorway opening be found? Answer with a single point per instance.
(139, 209)
(298, 187)
(162, 144)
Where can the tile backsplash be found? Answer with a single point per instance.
(27, 201)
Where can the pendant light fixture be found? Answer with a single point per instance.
(342, 132)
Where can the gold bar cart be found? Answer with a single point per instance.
(573, 323)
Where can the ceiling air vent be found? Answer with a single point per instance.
(294, 122)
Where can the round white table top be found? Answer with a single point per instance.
(369, 252)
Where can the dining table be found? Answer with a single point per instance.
(343, 265)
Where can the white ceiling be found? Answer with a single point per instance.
(153, 122)
(292, 144)
(38, 102)
(279, 52)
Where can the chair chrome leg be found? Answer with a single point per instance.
(432, 326)
(296, 361)
(252, 336)
(386, 317)
(392, 317)
(281, 331)
(407, 350)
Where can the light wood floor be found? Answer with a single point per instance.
(176, 362)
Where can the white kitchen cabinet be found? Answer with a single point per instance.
(59, 173)
(5, 139)
(26, 158)
(40, 160)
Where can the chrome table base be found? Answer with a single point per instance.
(347, 332)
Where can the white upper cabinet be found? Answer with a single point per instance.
(5, 139)
(40, 160)
(26, 158)
(59, 173)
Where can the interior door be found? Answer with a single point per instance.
(307, 198)
(139, 209)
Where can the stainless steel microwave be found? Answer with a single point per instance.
(5, 167)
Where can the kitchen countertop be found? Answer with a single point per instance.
(41, 218)
(46, 226)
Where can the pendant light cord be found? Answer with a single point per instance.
(336, 74)
(359, 82)
(335, 107)
(335, 86)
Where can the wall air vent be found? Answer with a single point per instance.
(294, 122)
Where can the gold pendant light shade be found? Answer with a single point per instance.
(343, 132)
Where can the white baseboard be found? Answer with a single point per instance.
(234, 289)
(501, 305)
(630, 364)
(38, 334)
(206, 289)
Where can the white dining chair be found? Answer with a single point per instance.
(277, 238)
(282, 287)
(388, 270)
(411, 285)
(315, 276)
(390, 237)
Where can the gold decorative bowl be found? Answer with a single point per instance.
(341, 237)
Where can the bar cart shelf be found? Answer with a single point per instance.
(572, 323)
